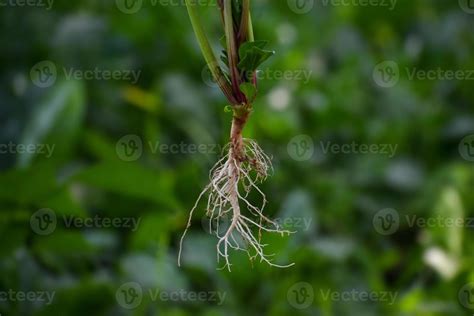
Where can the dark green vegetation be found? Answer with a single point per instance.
(124, 135)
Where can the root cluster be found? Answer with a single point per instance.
(233, 177)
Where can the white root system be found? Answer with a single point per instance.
(231, 180)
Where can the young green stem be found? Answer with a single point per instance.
(250, 38)
(208, 53)
(245, 26)
(246, 31)
(240, 118)
(232, 53)
(250, 29)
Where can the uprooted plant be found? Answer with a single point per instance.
(244, 164)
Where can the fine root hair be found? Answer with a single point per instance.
(232, 179)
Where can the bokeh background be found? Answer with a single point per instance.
(109, 123)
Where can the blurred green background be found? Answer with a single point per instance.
(109, 124)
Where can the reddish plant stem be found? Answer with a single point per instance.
(232, 50)
(244, 23)
(238, 123)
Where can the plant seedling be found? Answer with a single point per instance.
(244, 164)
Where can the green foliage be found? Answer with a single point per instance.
(249, 90)
(338, 194)
(252, 55)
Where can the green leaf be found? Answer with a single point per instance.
(98, 145)
(88, 294)
(252, 55)
(249, 90)
(245, 46)
(28, 186)
(130, 180)
(63, 203)
(64, 248)
(55, 122)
